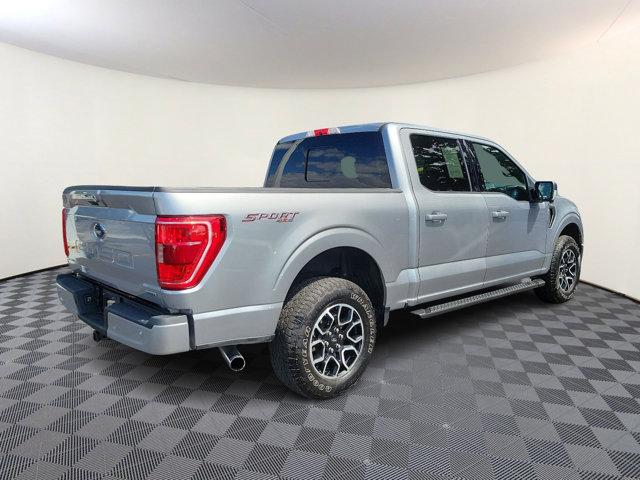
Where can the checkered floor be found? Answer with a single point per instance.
(510, 389)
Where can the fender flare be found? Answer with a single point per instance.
(326, 240)
(570, 217)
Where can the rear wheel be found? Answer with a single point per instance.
(325, 336)
(564, 272)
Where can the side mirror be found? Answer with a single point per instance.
(544, 191)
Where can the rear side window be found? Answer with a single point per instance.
(440, 164)
(350, 160)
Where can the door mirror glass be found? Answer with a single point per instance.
(545, 191)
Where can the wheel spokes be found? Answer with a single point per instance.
(325, 322)
(346, 318)
(336, 340)
(354, 333)
(568, 270)
(318, 345)
(331, 367)
(348, 356)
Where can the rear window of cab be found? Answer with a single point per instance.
(348, 160)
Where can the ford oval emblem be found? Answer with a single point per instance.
(99, 231)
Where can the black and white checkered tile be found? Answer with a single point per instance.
(510, 389)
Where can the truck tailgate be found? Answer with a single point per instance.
(110, 232)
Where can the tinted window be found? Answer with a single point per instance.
(279, 152)
(440, 164)
(351, 160)
(498, 173)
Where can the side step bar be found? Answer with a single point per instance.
(475, 299)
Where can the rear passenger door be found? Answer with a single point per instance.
(517, 226)
(453, 221)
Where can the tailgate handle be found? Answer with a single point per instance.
(84, 196)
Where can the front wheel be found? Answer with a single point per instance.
(325, 336)
(564, 272)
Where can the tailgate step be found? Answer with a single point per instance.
(475, 299)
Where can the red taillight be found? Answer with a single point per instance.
(64, 232)
(186, 247)
(321, 131)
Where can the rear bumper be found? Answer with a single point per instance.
(134, 324)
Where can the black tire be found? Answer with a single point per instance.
(552, 292)
(290, 353)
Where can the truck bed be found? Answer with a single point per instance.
(265, 229)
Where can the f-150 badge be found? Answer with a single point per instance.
(279, 217)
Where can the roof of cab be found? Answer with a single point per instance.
(362, 127)
(372, 127)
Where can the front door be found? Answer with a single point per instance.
(517, 227)
(453, 222)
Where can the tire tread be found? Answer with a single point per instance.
(291, 327)
(550, 293)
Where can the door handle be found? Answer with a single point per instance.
(435, 217)
(499, 214)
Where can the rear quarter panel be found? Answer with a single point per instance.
(262, 256)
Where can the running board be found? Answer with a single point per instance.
(475, 299)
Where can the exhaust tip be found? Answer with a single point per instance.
(237, 364)
(233, 357)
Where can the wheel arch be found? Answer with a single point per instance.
(343, 252)
(570, 225)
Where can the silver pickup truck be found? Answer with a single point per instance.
(352, 222)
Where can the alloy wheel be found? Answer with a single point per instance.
(336, 342)
(568, 271)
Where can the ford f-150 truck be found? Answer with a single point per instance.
(351, 223)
